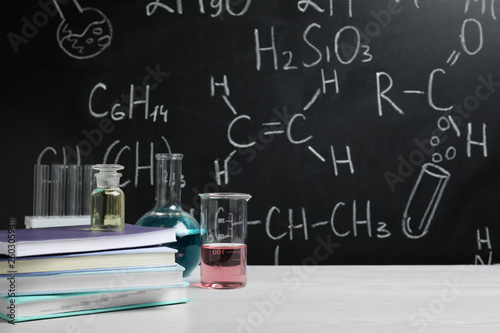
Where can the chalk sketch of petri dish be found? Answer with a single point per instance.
(84, 32)
(424, 200)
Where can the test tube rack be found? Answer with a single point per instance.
(61, 195)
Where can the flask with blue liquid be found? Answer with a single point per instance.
(168, 213)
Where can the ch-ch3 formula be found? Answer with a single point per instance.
(350, 224)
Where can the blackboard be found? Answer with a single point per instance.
(367, 132)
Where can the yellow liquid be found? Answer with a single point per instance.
(107, 209)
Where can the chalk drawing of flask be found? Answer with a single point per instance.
(83, 32)
(424, 200)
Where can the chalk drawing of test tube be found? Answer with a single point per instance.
(424, 200)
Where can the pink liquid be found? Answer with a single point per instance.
(223, 265)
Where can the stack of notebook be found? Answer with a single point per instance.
(65, 271)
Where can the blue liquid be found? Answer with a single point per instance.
(187, 233)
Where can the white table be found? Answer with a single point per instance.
(316, 299)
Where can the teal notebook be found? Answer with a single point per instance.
(25, 308)
(94, 280)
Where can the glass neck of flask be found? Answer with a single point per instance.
(168, 180)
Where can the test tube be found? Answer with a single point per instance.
(74, 190)
(87, 186)
(41, 185)
(57, 190)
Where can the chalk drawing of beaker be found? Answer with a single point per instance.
(84, 32)
(424, 200)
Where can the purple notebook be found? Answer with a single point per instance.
(74, 239)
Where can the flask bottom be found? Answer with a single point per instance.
(188, 254)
